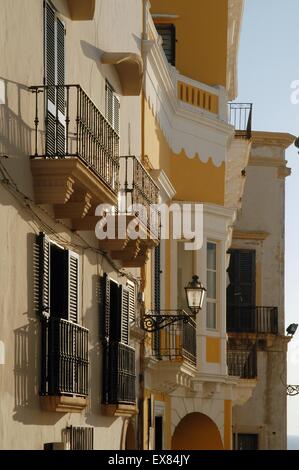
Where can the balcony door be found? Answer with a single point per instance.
(241, 291)
(54, 73)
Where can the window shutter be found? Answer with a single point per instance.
(132, 301)
(124, 315)
(60, 63)
(44, 274)
(157, 279)
(73, 286)
(116, 107)
(50, 61)
(105, 306)
(167, 32)
(109, 103)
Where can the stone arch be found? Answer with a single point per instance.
(128, 437)
(196, 431)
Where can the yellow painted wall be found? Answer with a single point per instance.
(201, 29)
(213, 350)
(228, 438)
(192, 179)
(197, 431)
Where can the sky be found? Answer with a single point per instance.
(268, 64)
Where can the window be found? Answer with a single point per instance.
(245, 441)
(58, 281)
(211, 285)
(112, 107)
(118, 356)
(167, 32)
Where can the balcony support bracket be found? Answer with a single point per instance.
(155, 321)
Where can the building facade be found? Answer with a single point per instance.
(107, 119)
(255, 296)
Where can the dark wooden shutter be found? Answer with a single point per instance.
(109, 103)
(157, 278)
(44, 274)
(124, 315)
(50, 50)
(72, 260)
(116, 107)
(242, 274)
(105, 306)
(167, 32)
(60, 63)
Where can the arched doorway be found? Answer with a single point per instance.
(196, 431)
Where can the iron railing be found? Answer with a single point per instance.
(175, 341)
(240, 116)
(252, 320)
(64, 358)
(118, 374)
(242, 363)
(139, 193)
(79, 438)
(68, 124)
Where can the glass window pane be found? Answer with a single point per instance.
(211, 275)
(211, 315)
(211, 256)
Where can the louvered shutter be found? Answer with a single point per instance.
(50, 50)
(167, 32)
(132, 301)
(105, 306)
(157, 295)
(72, 260)
(109, 103)
(116, 107)
(124, 315)
(242, 273)
(44, 274)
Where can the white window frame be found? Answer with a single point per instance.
(215, 300)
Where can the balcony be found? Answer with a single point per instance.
(82, 10)
(240, 116)
(171, 355)
(119, 393)
(258, 320)
(64, 371)
(75, 164)
(242, 363)
(138, 197)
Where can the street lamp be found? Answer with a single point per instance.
(195, 294)
(157, 320)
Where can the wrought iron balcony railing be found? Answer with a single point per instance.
(242, 363)
(175, 341)
(252, 320)
(68, 124)
(118, 374)
(240, 116)
(138, 189)
(64, 358)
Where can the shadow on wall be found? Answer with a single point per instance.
(27, 359)
(15, 134)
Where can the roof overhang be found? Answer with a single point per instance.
(129, 67)
(82, 10)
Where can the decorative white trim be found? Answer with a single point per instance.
(164, 183)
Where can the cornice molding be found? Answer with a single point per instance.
(250, 235)
(270, 139)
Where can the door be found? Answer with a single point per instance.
(241, 291)
(54, 63)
